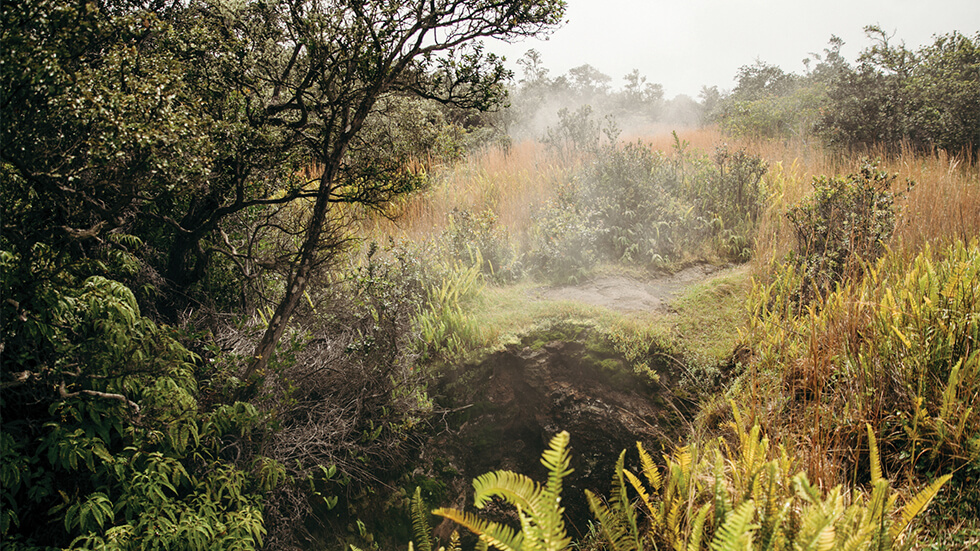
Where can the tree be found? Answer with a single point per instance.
(928, 98)
(142, 142)
(195, 125)
(589, 81)
(319, 72)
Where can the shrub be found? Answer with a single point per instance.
(842, 226)
(476, 238)
(576, 134)
(564, 242)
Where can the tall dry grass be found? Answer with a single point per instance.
(941, 207)
(513, 183)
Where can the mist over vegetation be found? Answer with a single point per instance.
(291, 275)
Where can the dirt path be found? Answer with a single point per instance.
(628, 294)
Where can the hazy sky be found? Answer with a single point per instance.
(684, 44)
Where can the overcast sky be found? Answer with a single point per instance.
(684, 44)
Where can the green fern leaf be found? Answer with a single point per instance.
(650, 470)
(875, 459)
(817, 531)
(917, 505)
(621, 503)
(539, 508)
(697, 529)
(502, 537)
(420, 522)
(611, 524)
(454, 543)
(644, 497)
(737, 531)
(550, 514)
(859, 539)
(517, 489)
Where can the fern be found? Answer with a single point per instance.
(736, 532)
(653, 512)
(611, 524)
(539, 508)
(502, 537)
(875, 459)
(697, 529)
(917, 505)
(519, 490)
(454, 543)
(420, 522)
(650, 471)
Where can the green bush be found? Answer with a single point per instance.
(634, 205)
(564, 242)
(472, 235)
(103, 444)
(842, 226)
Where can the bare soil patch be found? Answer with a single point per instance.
(628, 294)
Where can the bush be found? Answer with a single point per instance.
(344, 389)
(478, 239)
(842, 226)
(564, 242)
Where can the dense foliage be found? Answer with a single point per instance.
(197, 353)
(893, 95)
(743, 495)
(631, 204)
(194, 165)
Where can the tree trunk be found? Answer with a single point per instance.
(297, 282)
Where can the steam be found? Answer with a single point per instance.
(634, 107)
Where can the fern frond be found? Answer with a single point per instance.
(621, 503)
(517, 489)
(549, 514)
(650, 470)
(420, 522)
(917, 505)
(806, 490)
(644, 497)
(736, 533)
(859, 539)
(697, 529)
(817, 531)
(739, 425)
(720, 494)
(674, 517)
(875, 459)
(502, 537)
(454, 543)
(611, 524)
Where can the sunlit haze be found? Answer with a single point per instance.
(684, 45)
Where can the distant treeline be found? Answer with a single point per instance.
(926, 98)
(893, 95)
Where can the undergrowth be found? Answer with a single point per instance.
(742, 494)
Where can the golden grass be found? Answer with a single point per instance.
(514, 183)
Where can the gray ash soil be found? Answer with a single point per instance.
(627, 294)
